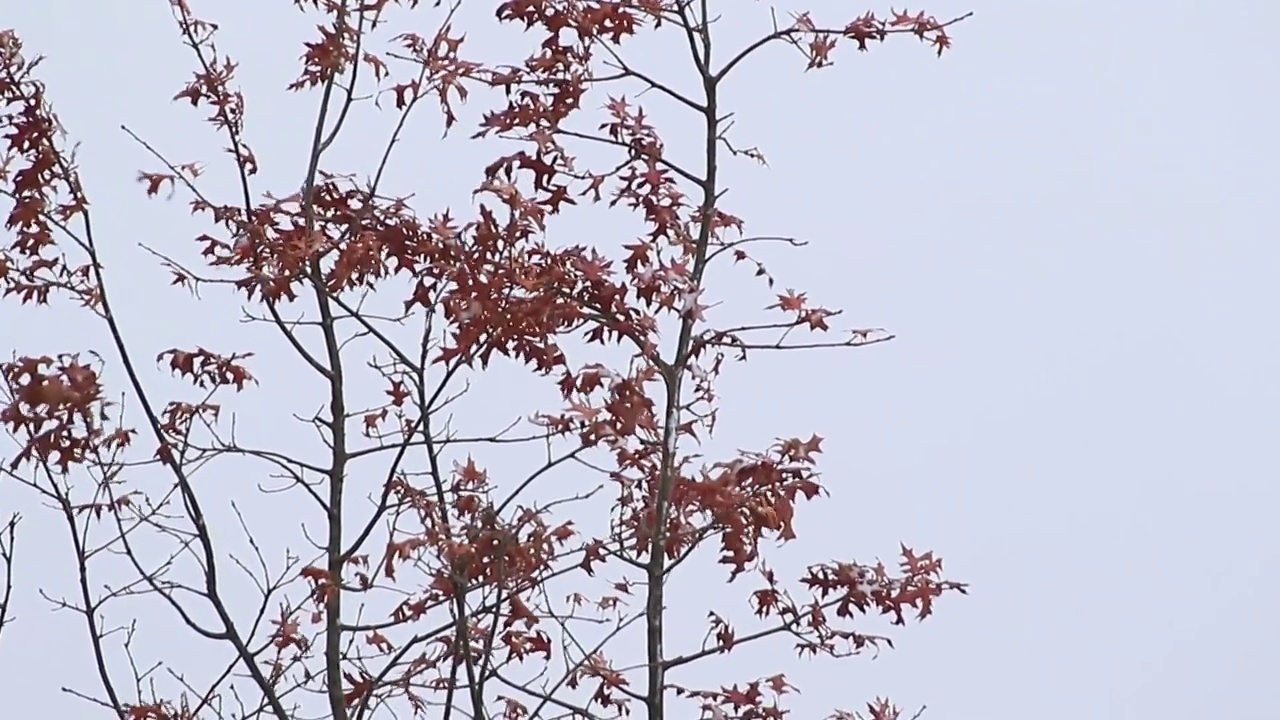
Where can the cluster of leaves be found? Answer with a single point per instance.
(461, 572)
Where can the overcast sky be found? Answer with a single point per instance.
(1069, 223)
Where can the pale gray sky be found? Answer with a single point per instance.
(1068, 221)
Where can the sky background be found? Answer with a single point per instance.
(1068, 221)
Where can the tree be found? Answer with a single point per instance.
(442, 590)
